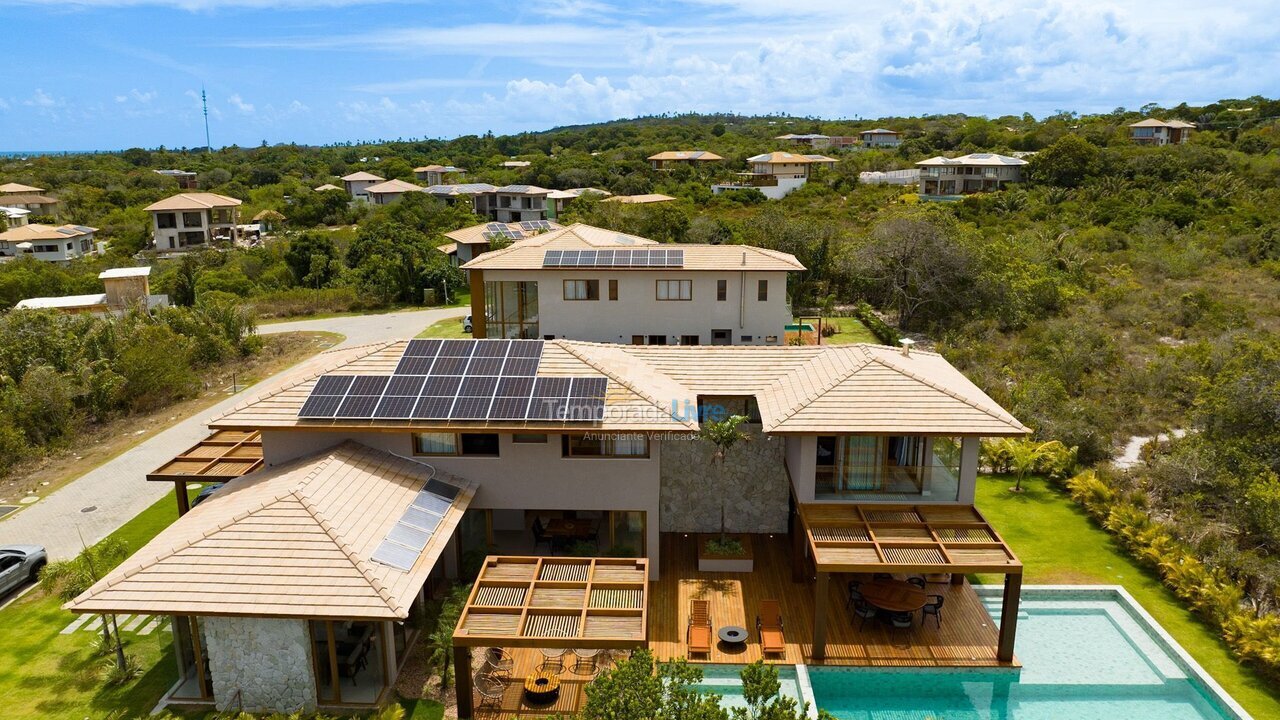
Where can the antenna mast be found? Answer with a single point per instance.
(204, 103)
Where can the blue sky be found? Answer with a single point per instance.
(109, 74)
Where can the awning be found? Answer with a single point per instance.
(223, 456)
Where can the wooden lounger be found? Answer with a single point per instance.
(769, 625)
(698, 636)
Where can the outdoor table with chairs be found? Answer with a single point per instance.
(898, 599)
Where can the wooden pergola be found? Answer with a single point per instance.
(224, 455)
(551, 602)
(908, 539)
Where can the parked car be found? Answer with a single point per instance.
(20, 563)
(466, 324)
(206, 493)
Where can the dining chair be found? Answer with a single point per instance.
(864, 610)
(916, 580)
(934, 608)
(901, 620)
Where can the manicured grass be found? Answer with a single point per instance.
(1059, 544)
(851, 331)
(422, 710)
(447, 328)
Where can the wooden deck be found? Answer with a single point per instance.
(967, 638)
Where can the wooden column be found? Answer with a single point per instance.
(799, 564)
(462, 681)
(1009, 616)
(184, 503)
(820, 590)
(478, 329)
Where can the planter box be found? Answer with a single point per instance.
(741, 563)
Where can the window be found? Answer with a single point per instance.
(771, 339)
(637, 339)
(675, 289)
(605, 446)
(657, 339)
(511, 309)
(746, 338)
(721, 337)
(581, 289)
(464, 444)
(722, 290)
(613, 289)
(192, 219)
(528, 438)
(762, 290)
(688, 339)
(166, 221)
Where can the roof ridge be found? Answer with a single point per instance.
(946, 391)
(839, 378)
(593, 362)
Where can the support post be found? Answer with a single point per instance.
(462, 681)
(821, 594)
(184, 503)
(799, 564)
(478, 319)
(1009, 616)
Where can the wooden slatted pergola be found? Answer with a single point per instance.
(224, 455)
(908, 539)
(551, 602)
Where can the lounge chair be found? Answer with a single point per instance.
(698, 636)
(769, 626)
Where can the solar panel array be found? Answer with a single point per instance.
(409, 536)
(531, 225)
(460, 380)
(500, 230)
(637, 257)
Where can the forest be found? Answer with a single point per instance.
(1119, 291)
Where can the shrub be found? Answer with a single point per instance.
(881, 329)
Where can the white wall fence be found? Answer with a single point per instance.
(892, 177)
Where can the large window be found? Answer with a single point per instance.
(511, 309)
(869, 467)
(462, 444)
(581, 289)
(605, 446)
(166, 221)
(675, 289)
(192, 219)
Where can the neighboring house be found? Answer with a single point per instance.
(1159, 132)
(59, 244)
(515, 203)
(357, 182)
(775, 174)
(516, 164)
(809, 139)
(438, 174)
(588, 283)
(269, 221)
(326, 187)
(890, 177)
(646, 199)
(124, 288)
(185, 178)
(469, 242)
(15, 217)
(672, 158)
(357, 484)
(879, 138)
(479, 195)
(384, 193)
(194, 220)
(978, 172)
(560, 198)
(26, 197)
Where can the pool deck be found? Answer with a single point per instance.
(967, 638)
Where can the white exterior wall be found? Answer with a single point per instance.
(522, 477)
(356, 188)
(637, 311)
(785, 187)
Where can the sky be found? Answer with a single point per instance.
(113, 74)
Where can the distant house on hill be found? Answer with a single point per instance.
(15, 217)
(879, 138)
(470, 242)
(26, 197)
(189, 221)
(977, 172)
(49, 243)
(672, 158)
(327, 186)
(384, 193)
(437, 174)
(185, 178)
(1158, 132)
(516, 203)
(646, 199)
(516, 164)
(775, 174)
(357, 182)
(124, 288)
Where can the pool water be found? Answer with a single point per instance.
(1082, 659)
(725, 681)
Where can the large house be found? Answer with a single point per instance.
(879, 138)
(123, 289)
(189, 221)
(776, 174)
(479, 195)
(470, 242)
(519, 203)
(588, 283)
(389, 191)
(185, 178)
(60, 244)
(357, 183)
(437, 174)
(26, 197)
(1159, 132)
(978, 172)
(816, 140)
(371, 474)
(671, 159)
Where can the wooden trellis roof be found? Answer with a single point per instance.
(561, 602)
(936, 538)
(223, 456)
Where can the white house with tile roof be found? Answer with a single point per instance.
(977, 172)
(776, 174)
(60, 244)
(879, 138)
(357, 183)
(189, 221)
(1153, 131)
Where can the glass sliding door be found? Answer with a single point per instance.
(887, 467)
(511, 309)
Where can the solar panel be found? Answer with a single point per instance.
(449, 366)
(368, 385)
(395, 408)
(442, 385)
(458, 348)
(515, 386)
(419, 518)
(414, 365)
(471, 408)
(509, 408)
(525, 349)
(432, 408)
(478, 386)
(442, 489)
(491, 348)
(495, 227)
(589, 387)
(432, 502)
(485, 366)
(547, 408)
(357, 406)
(422, 348)
(395, 555)
(406, 385)
(552, 258)
(584, 409)
(409, 536)
(332, 385)
(520, 366)
(550, 387)
(320, 406)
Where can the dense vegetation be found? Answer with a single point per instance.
(1119, 291)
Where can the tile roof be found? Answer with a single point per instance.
(36, 231)
(981, 159)
(522, 190)
(1156, 122)
(124, 272)
(327, 186)
(393, 186)
(780, 158)
(27, 199)
(296, 540)
(879, 131)
(698, 155)
(460, 189)
(808, 389)
(9, 188)
(362, 175)
(193, 201)
(645, 199)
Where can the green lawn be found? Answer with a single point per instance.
(1059, 544)
(447, 328)
(851, 331)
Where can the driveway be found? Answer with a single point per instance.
(117, 490)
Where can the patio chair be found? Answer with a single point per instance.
(854, 594)
(698, 635)
(769, 626)
(499, 663)
(917, 580)
(934, 608)
(491, 690)
(864, 610)
(540, 536)
(586, 661)
(901, 620)
(552, 659)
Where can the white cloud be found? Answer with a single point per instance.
(239, 104)
(41, 99)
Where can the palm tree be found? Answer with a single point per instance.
(722, 435)
(1025, 455)
(67, 579)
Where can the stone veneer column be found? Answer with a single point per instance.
(260, 664)
(753, 486)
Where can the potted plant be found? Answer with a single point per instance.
(725, 552)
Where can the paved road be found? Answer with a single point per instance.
(118, 490)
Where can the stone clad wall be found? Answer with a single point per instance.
(267, 660)
(752, 480)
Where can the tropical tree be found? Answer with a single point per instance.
(1024, 456)
(723, 435)
(67, 579)
(440, 639)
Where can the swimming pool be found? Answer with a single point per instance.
(1087, 654)
(726, 681)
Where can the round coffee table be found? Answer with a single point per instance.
(542, 687)
(733, 635)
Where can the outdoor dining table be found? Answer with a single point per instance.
(570, 528)
(893, 595)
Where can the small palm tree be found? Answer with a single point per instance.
(67, 579)
(1025, 455)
